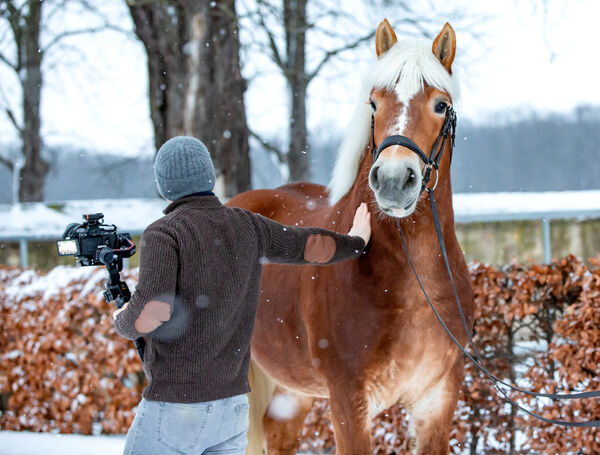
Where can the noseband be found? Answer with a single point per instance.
(432, 161)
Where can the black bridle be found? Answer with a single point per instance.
(432, 162)
(448, 132)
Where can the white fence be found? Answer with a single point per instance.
(25, 223)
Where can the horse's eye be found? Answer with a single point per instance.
(441, 107)
(373, 106)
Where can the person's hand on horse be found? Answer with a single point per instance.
(361, 226)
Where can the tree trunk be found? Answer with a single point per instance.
(196, 87)
(34, 169)
(295, 25)
(163, 31)
(214, 109)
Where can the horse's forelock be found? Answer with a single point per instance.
(406, 66)
(410, 65)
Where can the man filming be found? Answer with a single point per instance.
(196, 300)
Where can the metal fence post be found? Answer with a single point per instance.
(546, 240)
(23, 251)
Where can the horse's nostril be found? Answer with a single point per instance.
(410, 178)
(375, 177)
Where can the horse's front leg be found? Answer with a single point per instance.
(432, 414)
(282, 432)
(350, 418)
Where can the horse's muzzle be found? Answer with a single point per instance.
(396, 186)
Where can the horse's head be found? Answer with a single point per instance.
(418, 113)
(408, 93)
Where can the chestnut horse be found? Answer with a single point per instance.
(360, 332)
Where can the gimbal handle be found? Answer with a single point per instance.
(118, 290)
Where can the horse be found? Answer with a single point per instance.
(360, 332)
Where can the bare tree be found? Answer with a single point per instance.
(286, 25)
(25, 24)
(24, 55)
(196, 87)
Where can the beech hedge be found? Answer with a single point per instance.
(63, 369)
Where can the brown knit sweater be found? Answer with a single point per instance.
(196, 298)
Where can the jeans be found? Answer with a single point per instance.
(213, 427)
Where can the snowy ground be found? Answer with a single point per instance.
(27, 443)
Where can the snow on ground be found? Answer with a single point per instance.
(527, 205)
(50, 220)
(27, 443)
(133, 215)
(29, 283)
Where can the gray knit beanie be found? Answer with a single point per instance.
(183, 167)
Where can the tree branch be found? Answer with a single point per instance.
(144, 2)
(58, 6)
(270, 147)
(8, 163)
(14, 16)
(334, 52)
(272, 44)
(56, 39)
(13, 120)
(7, 62)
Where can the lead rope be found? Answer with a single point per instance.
(432, 162)
(480, 366)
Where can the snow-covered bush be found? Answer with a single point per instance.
(63, 369)
(62, 366)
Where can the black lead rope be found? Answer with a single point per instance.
(480, 366)
(432, 162)
(554, 396)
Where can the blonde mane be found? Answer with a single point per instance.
(406, 66)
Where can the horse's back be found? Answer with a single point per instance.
(280, 340)
(289, 204)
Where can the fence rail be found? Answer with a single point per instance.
(545, 218)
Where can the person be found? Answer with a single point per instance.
(196, 300)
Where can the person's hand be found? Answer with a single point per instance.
(116, 312)
(362, 223)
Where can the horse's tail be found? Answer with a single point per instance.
(262, 390)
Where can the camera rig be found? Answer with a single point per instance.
(95, 243)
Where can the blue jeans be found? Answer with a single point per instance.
(213, 427)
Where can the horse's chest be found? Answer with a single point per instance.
(406, 380)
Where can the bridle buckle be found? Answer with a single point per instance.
(427, 170)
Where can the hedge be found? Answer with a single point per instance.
(63, 369)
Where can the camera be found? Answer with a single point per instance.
(95, 243)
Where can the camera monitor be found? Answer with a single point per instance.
(67, 248)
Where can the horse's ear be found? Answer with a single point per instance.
(385, 37)
(444, 47)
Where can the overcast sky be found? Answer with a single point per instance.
(527, 57)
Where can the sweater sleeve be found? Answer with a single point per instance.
(311, 245)
(152, 301)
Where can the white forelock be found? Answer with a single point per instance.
(405, 68)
